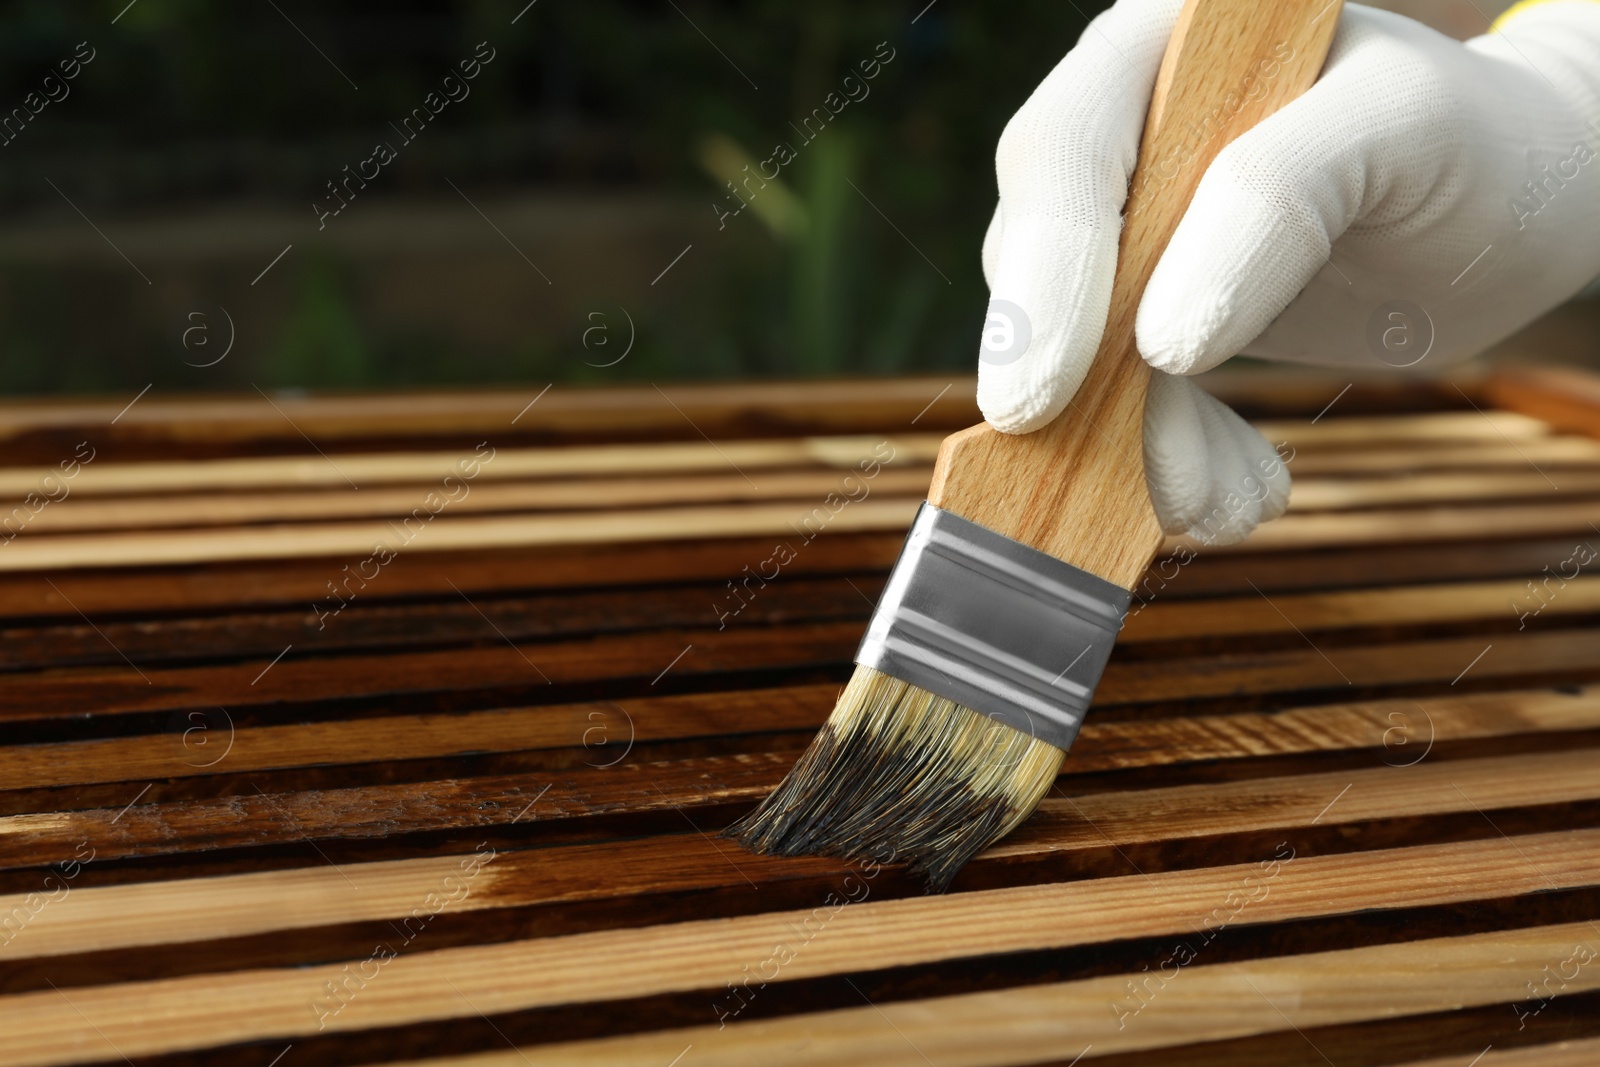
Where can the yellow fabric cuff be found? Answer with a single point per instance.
(1513, 11)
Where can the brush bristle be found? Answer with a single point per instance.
(900, 775)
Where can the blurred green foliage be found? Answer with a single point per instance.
(195, 102)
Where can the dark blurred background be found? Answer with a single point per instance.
(565, 210)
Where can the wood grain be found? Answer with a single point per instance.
(499, 674)
(197, 909)
(1560, 1054)
(485, 464)
(603, 729)
(803, 487)
(152, 1018)
(1063, 823)
(212, 426)
(1358, 690)
(1567, 398)
(1037, 1024)
(1541, 453)
(1157, 616)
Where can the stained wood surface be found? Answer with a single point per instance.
(1349, 765)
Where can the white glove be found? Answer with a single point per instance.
(1424, 199)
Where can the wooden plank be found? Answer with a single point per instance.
(151, 1018)
(793, 600)
(1567, 398)
(369, 625)
(208, 425)
(1062, 823)
(1341, 797)
(1521, 602)
(1287, 391)
(196, 909)
(1048, 1023)
(253, 819)
(496, 667)
(1403, 728)
(1526, 654)
(233, 509)
(595, 725)
(1321, 494)
(217, 509)
(244, 584)
(1543, 453)
(604, 729)
(354, 540)
(1559, 1054)
(425, 469)
(411, 732)
(1350, 567)
(1429, 428)
(503, 673)
(1442, 524)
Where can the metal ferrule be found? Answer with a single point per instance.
(990, 623)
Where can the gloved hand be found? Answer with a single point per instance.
(1425, 198)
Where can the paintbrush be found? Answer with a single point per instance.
(983, 653)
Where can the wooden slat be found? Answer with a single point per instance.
(1560, 1054)
(191, 427)
(1364, 432)
(1062, 823)
(245, 584)
(805, 488)
(1551, 454)
(1436, 487)
(426, 469)
(1357, 681)
(597, 724)
(1283, 803)
(1567, 398)
(1413, 525)
(1049, 1023)
(232, 509)
(57, 695)
(368, 625)
(355, 540)
(795, 599)
(1522, 602)
(103, 691)
(156, 1017)
(236, 905)
(1100, 745)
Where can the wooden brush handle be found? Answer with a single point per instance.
(1076, 488)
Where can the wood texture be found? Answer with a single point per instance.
(610, 965)
(1076, 488)
(1397, 682)
(1566, 398)
(1036, 1024)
